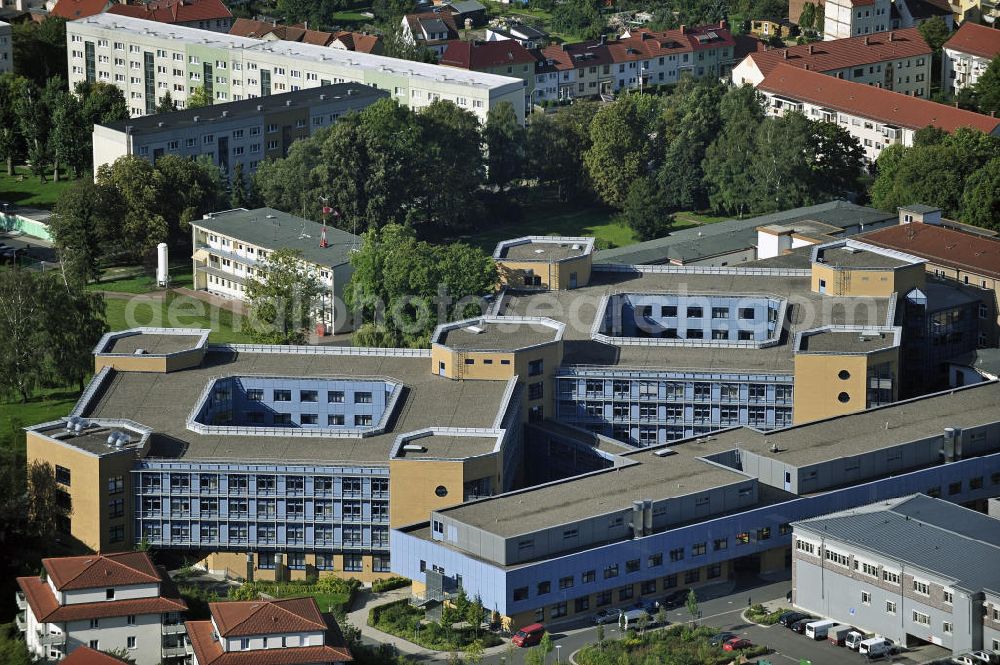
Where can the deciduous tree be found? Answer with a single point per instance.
(504, 145)
(77, 232)
(281, 298)
(981, 197)
(729, 159)
(199, 98)
(622, 146)
(646, 211)
(987, 88)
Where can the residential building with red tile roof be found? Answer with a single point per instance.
(74, 9)
(104, 601)
(433, 29)
(967, 54)
(289, 631)
(84, 655)
(204, 14)
(876, 117)
(640, 57)
(361, 42)
(952, 252)
(507, 58)
(897, 60)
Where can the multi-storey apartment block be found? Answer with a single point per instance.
(898, 60)
(203, 14)
(876, 117)
(6, 48)
(852, 18)
(506, 58)
(244, 132)
(104, 602)
(914, 569)
(145, 59)
(362, 42)
(230, 247)
(639, 58)
(276, 632)
(967, 55)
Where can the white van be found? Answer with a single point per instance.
(818, 630)
(875, 647)
(633, 619)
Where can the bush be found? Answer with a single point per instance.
(401, 619)
(682, 643)
(378, 586)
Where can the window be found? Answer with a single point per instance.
(335, 419)
(130, 620)
(890, 607)
(94, 644)
(588, 577)
(714, 571)
(890, 577)
(698, 549)
(837, 557)
(566, 582)
(603, 598)
(116, 484)
(282, 395)
(694, 312)
(611, 571)
(535, 390)
(544, 588)
(677, 554)
(949, 596)
(743, 538)
(921, 618)
(655, 560)
(353, 563)
(764, 534)
(581, 604)
(866, 598)
(95, 623)
(632, 566)
(692, 576)
(308, 396)
(130, 642)
(362, 398)
(720, 544)
(535, 367)
(308, 419)
(946, 626)
(626, 592)
(867, 568)
(720, 312)
(922, 588)
(62, 475)
(109, 594)
(362, 420)
(521, 593)
(335, 396)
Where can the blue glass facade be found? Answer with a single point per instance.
(644, 408)
(694, 317)
(262, 507)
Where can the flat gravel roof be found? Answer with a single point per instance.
(152, 343)
(498, 336)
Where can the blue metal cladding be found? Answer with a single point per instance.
(240, 507)
(675, 316)
(496, 585)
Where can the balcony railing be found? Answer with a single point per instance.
(22, 625)
(174, 652)
(50, 639)
(173, 629)
(22, 603)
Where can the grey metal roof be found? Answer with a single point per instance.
(433, 26)
(351, 95)
(931, 534)
(920, 208)
(526, 31)
(466, 6)
(273, 229)
(710, 240)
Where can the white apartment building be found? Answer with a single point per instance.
(6, 48)
(851, 18)
(277, 632)
(230, 246)
(244, 132)
(898, 60)
(105, 602)
(967, 55)
(876, 117)
(146, 59)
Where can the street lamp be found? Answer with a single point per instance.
(558, 647)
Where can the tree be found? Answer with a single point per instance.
(646, 211)
(474, 652)
(692, 605)
(166, 104)
(199, 98)
(621, 146)
(74, 323)
(68, 137)
(981, 198)
(11, 89)
(545, 645)
(691, 123)
(102, 103)
(281, 298)
(40, 49)
(394, 44)
(196, 188)
(600, 633)
(44, 507)
(558, 143)
(987, 88)
(22, 355)
(935, 32)
(728, 164)
(578, 17)
(820, 21)
(807, 19)
(122, 654)
(661, 615)
(239, 197)
(133, 189)
(474, 613)
(454, 156)
(504, 145)
(33, 119)
(76, 232)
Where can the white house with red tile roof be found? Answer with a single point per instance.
(290, 631)
(897, 60)
(109, 601)
(204, 14)
(876, 117)
(853, 18)
(967, 54)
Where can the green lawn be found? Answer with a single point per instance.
(29, 191)
(547, 221)
(698, 217)
(139, 279)
(176, 312)
(350, 16)
(47, 404)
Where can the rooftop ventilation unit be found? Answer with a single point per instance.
(539, 251)
(664, 452)
(414, 448)
(139, 352)
(118, 439)
(578, 247)
(475, 330)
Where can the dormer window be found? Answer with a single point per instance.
(244, 644)
(109, 594)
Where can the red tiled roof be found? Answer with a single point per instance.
(248, 27)
(844, 53)
(175, 11)
(975, 39)
(47, 609)
(482, 55)
(83, 655)
(941, 245)
(288, 615)
(867, 101)
(358, 41)
(101, 570)
(74, 9)
(208, 650)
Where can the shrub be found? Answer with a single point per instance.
(378, 586)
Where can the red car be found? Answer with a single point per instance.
(736, 644)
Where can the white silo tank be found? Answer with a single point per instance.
(162, 275)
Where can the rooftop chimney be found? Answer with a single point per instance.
(810, 49)
(866, 41)
(891, 35)
(683, 29)
(784, 53)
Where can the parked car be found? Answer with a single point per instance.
(800, 625)
(837, 636)
(819, 629)
(674, 599)
(528, 636)
(973, 658)
(633, 618)
(608, 615)
(876, 647)
(788, 618)
(719, 639)
(652, 606)
(854, 640)
(985, 656)
(736, 644)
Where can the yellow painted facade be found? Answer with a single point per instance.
(485, 365)
(234, 565)
(91, 492)
(554, 275)
(150, 363)
(860, 282)
(828, 385)
(413, 485)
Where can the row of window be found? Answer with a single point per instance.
(264, 483)
(352, 562)
(676, 413)
(677, 390)
(267, 534)
(209, 507)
